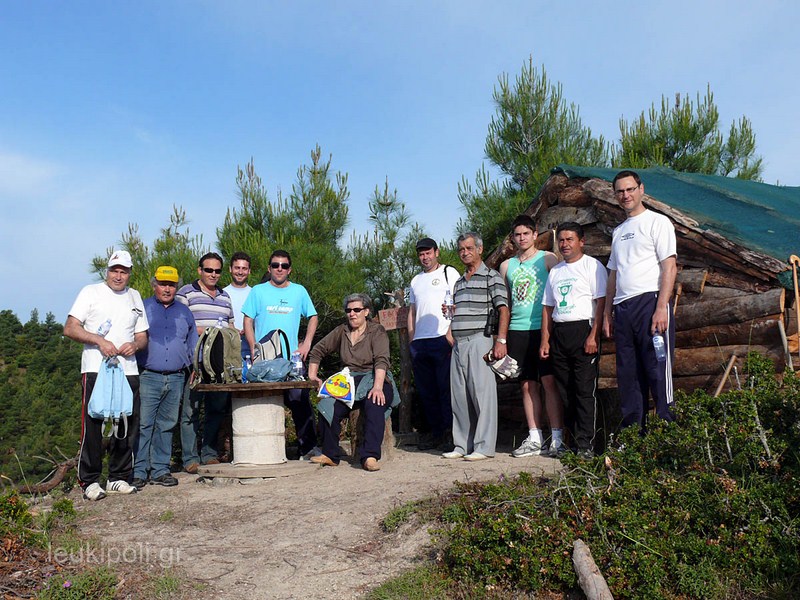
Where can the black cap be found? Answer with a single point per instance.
(426, 243)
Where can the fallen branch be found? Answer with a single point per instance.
(59, 472)
(589, 577)
(611, 473)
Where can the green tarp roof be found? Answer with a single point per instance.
(755, 215)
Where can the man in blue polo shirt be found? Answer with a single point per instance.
(210, 305)
(280, 304)
(164, 372)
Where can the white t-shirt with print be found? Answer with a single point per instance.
(638, 245)
(94, 305)
(427, 292)
(572, 289)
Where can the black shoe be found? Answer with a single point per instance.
(586, 454)
(166, 480)
(139, 483)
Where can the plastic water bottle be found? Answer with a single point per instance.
(448, 303)
(297, 364)
(103, 330)
(659, 347)
(246, 367)
(220, 323)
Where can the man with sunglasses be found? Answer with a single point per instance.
(210, 305)
(642, 269)
(280, 304)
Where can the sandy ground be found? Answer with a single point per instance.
(315, 533)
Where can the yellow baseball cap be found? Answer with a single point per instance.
(167, 274)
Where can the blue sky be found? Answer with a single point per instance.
(111, 112)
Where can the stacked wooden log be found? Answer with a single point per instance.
(729, 301)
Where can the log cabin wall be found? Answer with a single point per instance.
(728, 298)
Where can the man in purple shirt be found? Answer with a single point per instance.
(164, 374)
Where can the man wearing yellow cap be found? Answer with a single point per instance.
(164, 372)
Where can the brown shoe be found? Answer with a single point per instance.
(323, 460)
(371, 464)
(191, 468)
(212, 461)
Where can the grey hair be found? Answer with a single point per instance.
(178, 285)
(470, 234)
(365, 300)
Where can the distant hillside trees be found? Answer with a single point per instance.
(40, 396)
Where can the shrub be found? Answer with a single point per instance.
(704, 507)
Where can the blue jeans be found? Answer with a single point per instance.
(160, 402)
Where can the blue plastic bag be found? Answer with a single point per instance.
(112, 397)
(276, 369)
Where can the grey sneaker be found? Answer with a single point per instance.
(315, 451)
(120, 487)
(528, 448)
(556, 450)
(94, 491)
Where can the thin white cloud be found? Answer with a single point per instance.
(24, 176)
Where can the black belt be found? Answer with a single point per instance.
(183, 370)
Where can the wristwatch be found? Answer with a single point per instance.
(501, 340)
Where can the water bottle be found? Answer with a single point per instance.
(448, 303)
(103, 330)
(246, 367)
(297, 364)
(659, 347)
(220, 323)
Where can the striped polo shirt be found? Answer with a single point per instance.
(473, 298)
(206, 310)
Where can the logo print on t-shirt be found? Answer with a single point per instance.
(526, 286)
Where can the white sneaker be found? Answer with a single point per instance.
(528, 448)
(120, 487)
(473, 456)
(452, 454)
(93, 491)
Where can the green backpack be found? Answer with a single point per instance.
(218, 356)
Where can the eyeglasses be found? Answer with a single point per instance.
(277, 265)
(355, 310)
(208, 270)
(626, 191)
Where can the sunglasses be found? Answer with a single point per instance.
(355, 310)
(208, 270)
(277, 265)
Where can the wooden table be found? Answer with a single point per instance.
(259, 432)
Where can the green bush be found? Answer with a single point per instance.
(704, 507)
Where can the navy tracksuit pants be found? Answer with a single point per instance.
(639, 374)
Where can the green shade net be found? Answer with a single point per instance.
(759, 216)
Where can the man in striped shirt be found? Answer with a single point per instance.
(473, 390)
(210, 305)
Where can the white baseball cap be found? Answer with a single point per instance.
(121, 258)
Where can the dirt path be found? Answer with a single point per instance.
(313, 534)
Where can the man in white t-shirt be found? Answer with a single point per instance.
(109, 320)
(642, 269)
(431, 343)
(572, 318)
(238, 290)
